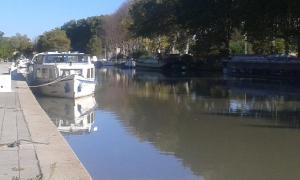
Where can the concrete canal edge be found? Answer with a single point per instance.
(55, 157)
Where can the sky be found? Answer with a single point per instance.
(33, 17)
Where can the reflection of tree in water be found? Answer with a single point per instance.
(196, 127)
(217, 96)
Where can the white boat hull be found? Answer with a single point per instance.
(72, 87)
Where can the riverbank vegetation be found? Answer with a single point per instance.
(221, 27)
(11, 47)
(201, 28)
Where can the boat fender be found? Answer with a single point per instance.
(67, 87)
(79, 87)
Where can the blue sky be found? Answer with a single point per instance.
(33, 17)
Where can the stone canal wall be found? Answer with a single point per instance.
(30, 145)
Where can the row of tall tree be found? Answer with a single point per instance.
(211, 24)
(106, 36)
(198, 27)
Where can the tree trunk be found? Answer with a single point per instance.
(286, 46)
(187, 49)
(298, 45)
(226, 52)
(227, 48)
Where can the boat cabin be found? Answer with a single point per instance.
(50, 66)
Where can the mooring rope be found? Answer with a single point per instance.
(18, 143)
(52, 82)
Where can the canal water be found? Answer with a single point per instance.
(149, 125)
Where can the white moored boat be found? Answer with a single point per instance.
(68, 75)
(23, 62)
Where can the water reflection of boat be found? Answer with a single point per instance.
(265, 88)
(74, 116)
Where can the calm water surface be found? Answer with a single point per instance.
(146, 125)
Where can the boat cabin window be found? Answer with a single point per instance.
(88, 73)
(65, 72)
(76, 71)
(89, 118)
(66, 58)
(52, 74)
(42, 73)
(54, 59)
(92, 72)
(79, 108)
(45, 73)
(76, 58)
(38, 59)
(93, 117)
(38, 73)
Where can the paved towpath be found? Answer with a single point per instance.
(30, 145)
(17, 152)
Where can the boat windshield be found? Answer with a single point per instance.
(66, 58)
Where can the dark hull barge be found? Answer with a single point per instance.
(262, 66)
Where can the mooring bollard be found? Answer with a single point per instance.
(5, 83)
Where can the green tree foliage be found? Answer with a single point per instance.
(82, 31)
(94, 46)
(13, 47)
(6, 50)
(238, 44)
(212, 23)
(21, 44)
(153, 18)
(55, 40)
(157, 20)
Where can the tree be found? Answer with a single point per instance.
(55, 40)
(6, 50)
(21, 44)
(149, 18)
(211, 21)
(116, 34)
(80, 32)
(94, 47)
